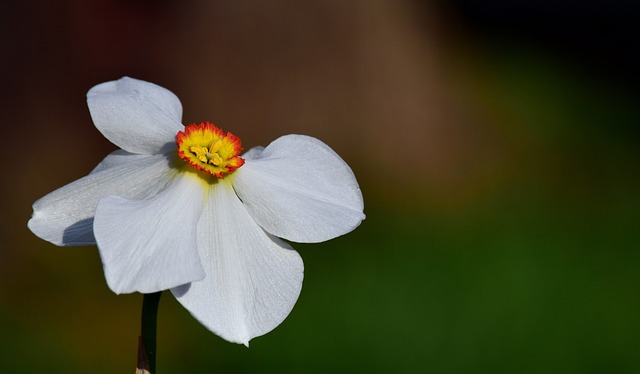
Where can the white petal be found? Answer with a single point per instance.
(253, 279)
(301, 190)
(137, 116)
(150, 245)
(65, 216)
(115, 158)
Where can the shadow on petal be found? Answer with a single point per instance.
(181, 290)
(80, 233)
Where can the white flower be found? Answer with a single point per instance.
(175, 208)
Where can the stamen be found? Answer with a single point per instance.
(215, 146)
(216, 159)
(201, 153)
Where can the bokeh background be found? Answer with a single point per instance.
(496, 143)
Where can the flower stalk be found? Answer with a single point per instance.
(147, 340)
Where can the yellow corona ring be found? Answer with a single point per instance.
(206, 147)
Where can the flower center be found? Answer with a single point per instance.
(206, 147)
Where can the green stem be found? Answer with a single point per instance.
(147, 341)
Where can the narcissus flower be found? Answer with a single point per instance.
(179, 208)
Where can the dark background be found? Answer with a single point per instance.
(496, 144)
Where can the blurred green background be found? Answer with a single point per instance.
(496, 144)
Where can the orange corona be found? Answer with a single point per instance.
(206, 147)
